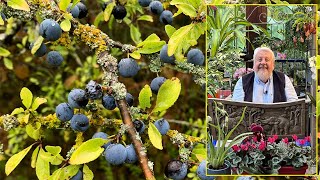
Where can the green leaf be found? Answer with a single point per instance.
(56, 174)
(135, 34)
(34, 157)
(135, 55)
(107, 12)
(169, 30)
(37, 102)
(151, 38)
(87, 173)
(24, 118)
(144, 97)
(200, 153)
(8, 63)
(87, 151)
(18, 4)
(155, 136)
(26, 97)
(168, 94)
(151, 47)
(4, 52)
(37, 44)
(65, 25)
(177, 38)
(98, 19)
(63, 5)
(15, 160)
(42, 166)
(54, 150)
(17, 111)
(1, 21)
(69, 171)
(187, 9)
(67, 16)
(33, 132)
(145, 18)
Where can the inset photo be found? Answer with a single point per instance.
(261, 89)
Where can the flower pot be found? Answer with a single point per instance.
(223, 171)
(222, 94)
(292, 170)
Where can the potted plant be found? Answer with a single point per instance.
(218, 153)
(258, 155)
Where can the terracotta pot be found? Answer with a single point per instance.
(224, 171)
(291, 170)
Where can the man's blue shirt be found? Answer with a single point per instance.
(263, 92)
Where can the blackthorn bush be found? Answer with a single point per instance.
(78, 176)
(41, 51)
(79, 122)
(93, 90)
(103, 136)
(164, 55)
(74, 11)
(83, 11)
(119, 12)
(162, 125)
(156, 83)
(109, 102)
(54, 58)
(64, 112)
(139, 125)
(201, 171)
(176, 170)
(156, 7)
(77, 98)
(131, 154)
(166, 17)
(144, 3)
(128, 67)
(195, 56)
(115, 154)
(50, 30)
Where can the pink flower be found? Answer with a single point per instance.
(302, 142)
(285, 140)
(255, 139)
(295, 137)
(244, 147)
(271, 140)
(256, 128)
(253, 146)
(275, 137)
(235, 148)
(307, 138)
(262, 146)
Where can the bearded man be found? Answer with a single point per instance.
(264, 85)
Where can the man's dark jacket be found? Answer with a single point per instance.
(279, 84)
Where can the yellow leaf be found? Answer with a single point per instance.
(65, 25)
(37, 44)
(14, 161)
(19, 4)
(135, 55)
(107, 12)
(155, 136)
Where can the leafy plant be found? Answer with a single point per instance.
(218, 154)
(256, 155)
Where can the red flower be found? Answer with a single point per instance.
(235, 148)
(244, 147)
(271, 140)
(285, 140)
(255, 139)
(262, 146)
(307, 138)
(295, 137)
(256, 128)
(275, 137)
(302, 142)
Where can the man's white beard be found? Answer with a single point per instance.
(263, 74)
